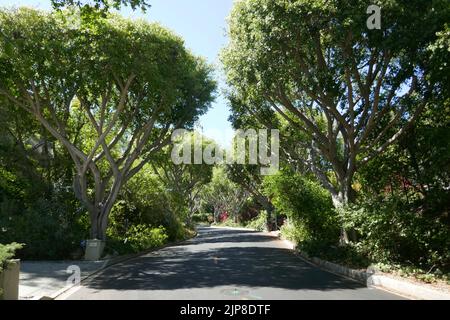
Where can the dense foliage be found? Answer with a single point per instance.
(307, 206)
(353, 91)
(137, 239)
(81, 115)
(392, 232)
(362, 113)
(126, 85)
(259, 223)
(7, 252)
(50, 228)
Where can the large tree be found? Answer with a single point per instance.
(346, 87)
(127, 84)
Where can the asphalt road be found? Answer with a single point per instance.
(223, 264)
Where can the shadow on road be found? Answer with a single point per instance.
(208, 235)
(219, 257)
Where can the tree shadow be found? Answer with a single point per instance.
(208, 235)
(202, 263)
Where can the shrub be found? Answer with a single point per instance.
(202, 217)
(176, 230)
(293, 231)
(51, 229)
(259, 223)
(142, 237)
(143, 201)
(7, 252)
(306, 204)
(138, 238)
(391, 232)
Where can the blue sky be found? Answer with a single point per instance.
(202, 23)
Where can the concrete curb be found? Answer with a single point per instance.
(372, 279)
(108, 263)
(358, 275)
(415, 291)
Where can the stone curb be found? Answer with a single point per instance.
(372, 279)
(358, 275)
(108, 263)
(415, 291)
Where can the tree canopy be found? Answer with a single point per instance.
(101, 4)
(351, 90)
(126, 84)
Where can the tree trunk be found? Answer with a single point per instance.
(344, 197)
(107, 207)
(268, 207)
(94, 225)
(99, 208)
(99, 222)
(216, 215)
(103, 224)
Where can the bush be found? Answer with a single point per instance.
(202, 218)
(230, 223)
(51, 229)
(176, 230)
(347, 255)
(138, 238)
(293, 231)
(143, 201)
(390, 232)
(259, 223)
(142, 237)
(306, 204)
(7, 252)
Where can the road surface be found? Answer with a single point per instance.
(222, 264)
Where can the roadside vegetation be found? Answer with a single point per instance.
(364, 124)
(86, 127)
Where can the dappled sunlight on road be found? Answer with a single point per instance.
(222, 264)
